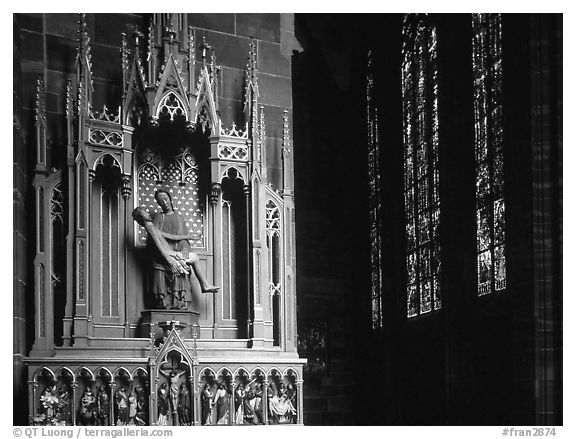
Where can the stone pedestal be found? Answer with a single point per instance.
(153, 320)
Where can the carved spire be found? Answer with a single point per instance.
(171, 32)
(204, 47)
(151, 55)
(285, 135)
(40, 107)
(124, 53)
(253, 59)
(262, 137)
(251, 77)
(40, 114)
(286, 151)
(191, 60)
(69, 115)
(84, 67)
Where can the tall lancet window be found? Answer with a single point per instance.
(375, 200)
(487, 66)
(421, 179)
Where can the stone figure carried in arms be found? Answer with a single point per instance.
(172, 255)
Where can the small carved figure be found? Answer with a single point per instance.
(49, 401)
(141, 417)
(132, 408)
(258, 406)
(163, 405)
(239, 403)
(171, 287)
(173, 377)
(291, 395)
(103, 403)
(207, 404)
(184, 405)
(222, 403)
(249, 402)
(64, 405)
(87, 412)
(280, 408)
(122, 413)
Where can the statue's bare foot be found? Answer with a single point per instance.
(210, 289)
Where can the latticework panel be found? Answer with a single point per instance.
(179, 176)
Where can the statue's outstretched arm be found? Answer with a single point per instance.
(172, 237)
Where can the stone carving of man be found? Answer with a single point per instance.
(184, 405)
(171, 286)
(173, 378)
(103, 403)
(163, 405)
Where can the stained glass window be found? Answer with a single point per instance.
(490, 208)
(421, 176)
(375, 203)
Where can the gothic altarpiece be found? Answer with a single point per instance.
(103, 353)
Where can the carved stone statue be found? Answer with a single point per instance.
(132, 408)
(64, 405)
(207, 404)
(141, 417)
(172, 257)
(184, 405)
(239, 403)
(163, 405)
(103, 403)
(122, 413)
(87, 412)
(49, 402)
(222, 403)
(280, 406)
(173, 378)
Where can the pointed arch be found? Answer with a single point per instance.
(206, 106)
(171, 86)
(41, 371)
(274, 372)
(99, 370)
(140, 369)
(135, 94)
(67, 370)
(100, 161)
(117, 371)
(222, 370)
(240, 174)
(173, 343)
(89, 373)
(291, 372)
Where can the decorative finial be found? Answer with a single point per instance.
(204, 47)
(137, 35)
(171, 32)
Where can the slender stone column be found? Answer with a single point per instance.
(300, 408)
(74, 386)
(112, 401)
(32, 390)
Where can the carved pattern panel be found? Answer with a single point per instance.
(179, 175)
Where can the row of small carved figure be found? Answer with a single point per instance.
(56, 407)
(249, 404)
(174, 405)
